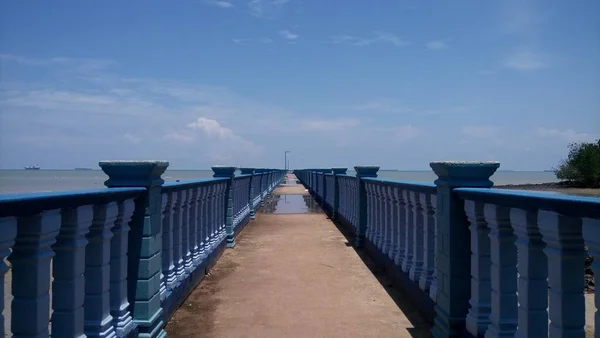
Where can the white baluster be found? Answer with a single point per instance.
(393, 211)
(192, 246)
(533, 274)
(409, 230)
(565, 252)
(503, 272)
(168, 256)
(30, 267)
(379, 223)
(418, 237)
(68, 267)
(185, 232)
(166, 209)
(591, 236)
(212, 212)
(428, 240)
(434, 282)
(178, 217)
(202, 224)
(387, 235)
(7, 239)
(119, 305)
(98, 321)
(198, 250)
(478, 317)
(370, 217)
(401, 224)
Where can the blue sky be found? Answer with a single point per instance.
(338, 83)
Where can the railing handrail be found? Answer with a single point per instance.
(409, 185)
(239, 177)
(21, 204)
(170, 186)
(568, 205)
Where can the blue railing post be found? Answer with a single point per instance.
(250, 171)
(336, 191)
(453, 247)
(145, 241)
(229, 173)
(361, 207)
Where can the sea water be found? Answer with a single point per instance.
(19, 181)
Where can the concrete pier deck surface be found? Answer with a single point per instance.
(294, 275)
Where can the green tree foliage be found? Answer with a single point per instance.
(582, 166)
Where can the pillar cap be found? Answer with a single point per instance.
(339, 171)
(247, 171)
(464, 173)
(366, 170)
(223, 171)
(133, 173)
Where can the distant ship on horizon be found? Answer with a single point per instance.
(32, 167)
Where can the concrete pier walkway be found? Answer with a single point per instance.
(295, 275)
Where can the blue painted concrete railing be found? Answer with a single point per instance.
(118, 262)
(475, 261)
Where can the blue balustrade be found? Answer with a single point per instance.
(475, 261)
(118, 262)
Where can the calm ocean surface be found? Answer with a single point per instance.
(18, 181)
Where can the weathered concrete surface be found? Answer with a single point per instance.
(293, 275)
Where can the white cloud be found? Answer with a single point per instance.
(241, 42)
(244, 42)
(324, 125)
(383, 106)
(266, 8)
(568, 135)
(212, 128)
(527, 60)
(222, 4)
(131, 138)
(380, 37)
(179, 137)
(437, 44)
(286, 34)
(395, 106)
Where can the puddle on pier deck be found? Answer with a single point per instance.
(290, 203)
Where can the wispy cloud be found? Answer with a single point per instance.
(245, 42)
(324, 125)
(380, 37)
(131, 138)
(382, 106)
(395, 106)
(527, 60)
(222, 4)
(74, 64)
(568, 135)
(286, 34)
(266, 8)
(437, 44)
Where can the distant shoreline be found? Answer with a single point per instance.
(559, 187)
